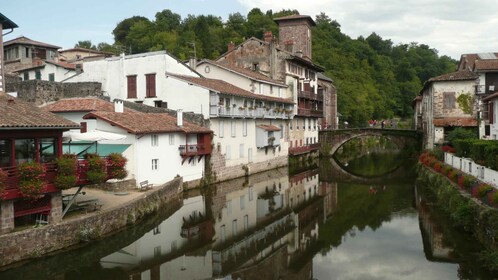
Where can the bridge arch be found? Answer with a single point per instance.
(331, 140)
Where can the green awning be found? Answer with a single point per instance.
(82, 148)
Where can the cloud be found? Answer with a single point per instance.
(453, 27)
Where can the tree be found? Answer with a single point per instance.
(123, 28)
(86, 44)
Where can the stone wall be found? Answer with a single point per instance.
(40, 92)
(40, 241)
(220, 172)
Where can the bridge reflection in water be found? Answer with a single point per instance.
(276, 225)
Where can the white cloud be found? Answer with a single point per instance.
(452, 27)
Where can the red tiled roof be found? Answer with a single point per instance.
(268, 127)
(245, 72)
(145, 123)
(85, 104)
(455, 76)
(294, 17)
(15, 113)
(26, 41)
(486, 64)
(65, 65)
(455, 121)
(227, 88)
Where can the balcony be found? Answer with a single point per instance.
(250, 112)
(190, 150)
(310, 113)
(310, 95)
(12, 183)
(304, 149)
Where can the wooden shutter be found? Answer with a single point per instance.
(132, 86)
(150, 85)
(491, 114)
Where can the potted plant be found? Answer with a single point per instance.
(31, 179)
(116, 166)
(66, 172)
(96, 169)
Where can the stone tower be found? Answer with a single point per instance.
(295, 34)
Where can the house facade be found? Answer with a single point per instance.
(290, 61)
(24, 52)
(48, 71)
(78, 55)
(158, 146)
(448, 101)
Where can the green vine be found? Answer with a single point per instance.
(465, 103)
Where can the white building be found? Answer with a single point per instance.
(158, 146)
(48, 70)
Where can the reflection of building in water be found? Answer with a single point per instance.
(328, 190)
(432, 235)
(163, 252)
(278, 215)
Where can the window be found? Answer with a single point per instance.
(154, 140)
(172, 139)
(51, 77)
(157, 251)
(155, 163)
(47, 149)
(26, 53)
(221, 129)
(244, 128)
(246, 222)
(242, 202)
(281, 131)
(25, 150)
(150, 85)
(232, 124)
(228, 152)
(38, 75)
(251, 193)
(222, 233)
(83, 128)
(6, 152)
(157, 230)
(229, 207)
(132, 86)
(234, 227)
(26, 76)
(449, 100)
(261, 88)
(241, 150)
(279, 92)
(290, 124)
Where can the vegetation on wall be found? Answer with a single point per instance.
(465, 102)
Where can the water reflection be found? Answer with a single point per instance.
(308, 225)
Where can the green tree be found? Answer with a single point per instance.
(86, 44)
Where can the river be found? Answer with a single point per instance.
(365, 221)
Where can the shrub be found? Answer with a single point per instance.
(66, 172)
(461, 133)
(481, 190)
(494, 198)
(437, 166)
(452, 175)
(116, 166)
(31, 179)
(96, 169)
(448, 149)
(446, 170)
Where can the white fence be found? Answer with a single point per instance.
(468, 166)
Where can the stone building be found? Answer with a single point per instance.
(22, 52)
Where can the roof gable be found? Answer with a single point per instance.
(84, 104)
(27, 41)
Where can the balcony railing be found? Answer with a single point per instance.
(310, 112)
(246, 112)
(304, 149)
(310, 95)
(12, 184)
(193, 150)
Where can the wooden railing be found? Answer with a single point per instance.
(193, 150)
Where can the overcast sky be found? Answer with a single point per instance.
(453, 27)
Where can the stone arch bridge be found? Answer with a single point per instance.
(331, 140)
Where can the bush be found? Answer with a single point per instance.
(481, 190)
(116, 166)
(31, 179)
(96, 169)
(66, 172)
(461, 133)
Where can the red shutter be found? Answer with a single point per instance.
(491, 114)
(150, 85)
(132, 86)
(83, 127)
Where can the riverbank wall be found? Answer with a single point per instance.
(45, 240)
(466, 212)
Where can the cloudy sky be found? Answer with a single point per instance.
(452, 27)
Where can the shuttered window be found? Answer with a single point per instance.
(491, 113)
(132, 86)
(150, 85)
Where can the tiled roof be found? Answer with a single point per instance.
(487, 64)
(77, 49)
(84, 104)
(268, 127)
(455, 121)
(455, 76)
(145, 123)
(227, 88)
(15, 113)
(26, 41)
(294, 17)
(65, 65)
(245, 72)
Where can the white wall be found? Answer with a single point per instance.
(60, 73)
(468, 166)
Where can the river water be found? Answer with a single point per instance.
(363, 219)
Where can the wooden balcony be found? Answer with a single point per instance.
(304, 112)
(12, 187)
(303, 149)
(193, 150)
(310, 95)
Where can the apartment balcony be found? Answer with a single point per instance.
(250, 112)
(12, 183)
(190, 150)
(310, 95)
(304, 149)
(304, 112)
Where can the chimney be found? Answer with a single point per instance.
(231, 46)
(179, 117)
(118, 106)
(192, 63)
(268, 36)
